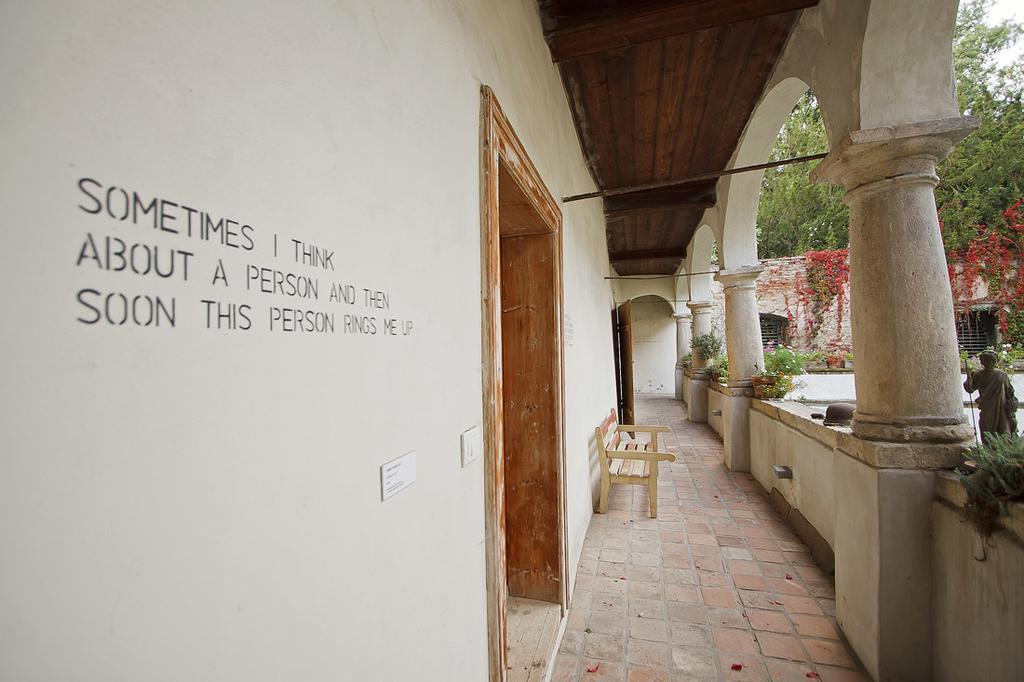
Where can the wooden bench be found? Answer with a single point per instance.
(626, 460)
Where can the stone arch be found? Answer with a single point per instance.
(742, 192)
(698, 262)
(682, 289)
(906, 73)
(875, 63)
(635, 288)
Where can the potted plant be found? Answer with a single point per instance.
(777, 388)
(849, 360)
(781, 364)
(997, 481)
(834, 361)
(706, 347)
(1011, 357)
(717, 368)
(815, 360)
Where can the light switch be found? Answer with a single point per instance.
(472, 445)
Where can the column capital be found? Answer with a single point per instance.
(878, 157)
(699, 306)
(682, 316)
(745, 275)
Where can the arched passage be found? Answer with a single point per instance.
(654, 345)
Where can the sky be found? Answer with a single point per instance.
(1008, 9)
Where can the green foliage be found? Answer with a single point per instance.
(719, 366)
(997, 482)
(707, 346)
(783, 385)
(795, 216)
(783, 362)
(981, 178)
(984, 174)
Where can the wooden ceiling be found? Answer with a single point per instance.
(661, 90)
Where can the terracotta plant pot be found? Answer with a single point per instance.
(761, 383)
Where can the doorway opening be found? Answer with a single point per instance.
(523, 406)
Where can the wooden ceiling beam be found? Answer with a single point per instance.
(696, 198)
(615, 214)
(648, 254)
(632, 28)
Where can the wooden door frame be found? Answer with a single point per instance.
(500, 146)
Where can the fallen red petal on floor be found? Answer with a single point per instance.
(737, 666)
(593, 668)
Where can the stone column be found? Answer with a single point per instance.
(697, 401)
(904, 336)
(746, 358)
(683, 329)
(909, 419)
(742, 324)
(701, 311)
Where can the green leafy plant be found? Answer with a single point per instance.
(783, 361)
(997, 482)
(1008, 354)
(707, 346)
(719, 366)
(779, 389)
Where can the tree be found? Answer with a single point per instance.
(982, 177)
(984, 174)
(795, 216)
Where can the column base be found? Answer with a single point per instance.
(909, 454)
(883, 566)
(923, 429)
(697, 402)
(736, 427)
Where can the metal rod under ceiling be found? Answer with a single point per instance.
(631, 189)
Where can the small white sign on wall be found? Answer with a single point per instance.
(397, 475)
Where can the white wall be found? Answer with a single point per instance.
(185, 503)
(976, 605)
(811, 459)
(654, 346)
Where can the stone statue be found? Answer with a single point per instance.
(996, 401)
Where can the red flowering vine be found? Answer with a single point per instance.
(993, 257)
(825, 282)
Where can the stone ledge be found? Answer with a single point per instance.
(948, 487)
(877, 454)
(731, 391)
(798, 416)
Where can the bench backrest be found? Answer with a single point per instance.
(607, 434)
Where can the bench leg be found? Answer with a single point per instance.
(652, 490)
(602, 506)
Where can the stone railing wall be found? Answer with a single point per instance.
(977, 586)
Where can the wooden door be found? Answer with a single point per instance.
(525, 535)
(624, 362)
(530, 389)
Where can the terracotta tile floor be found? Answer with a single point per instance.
(716, 581)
